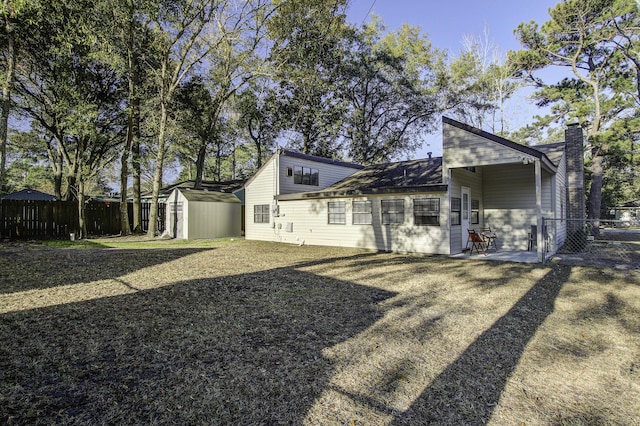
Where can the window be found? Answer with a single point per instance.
(475, 211)
(456, 206)
(261, 213)
(337, 213)
(305, 176)
(362, 213)
(392, 212)
(426, 211)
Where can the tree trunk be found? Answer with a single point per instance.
(135, 165)
(202, 152)
(57, 179)
(133, 130)
(71, 188)
(258, 153)
(157, 177)
(82, 222)
(233, 161)
(5, 102)
(595, 192)
(125, 228)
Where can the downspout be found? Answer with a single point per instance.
(539, 237)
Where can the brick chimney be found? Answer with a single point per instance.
(574, 149)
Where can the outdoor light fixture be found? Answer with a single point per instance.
(526, 159)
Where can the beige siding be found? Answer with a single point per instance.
(473, 181)
(260, 190)
(176, 206)
(558, 229)
(328, 174)
(272, 180)
(213, 220)
(203, 219)
(306, 222)
(510, 203)
(462, 149)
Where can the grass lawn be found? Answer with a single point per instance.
(117, 331)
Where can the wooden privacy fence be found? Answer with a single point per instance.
(22, 219)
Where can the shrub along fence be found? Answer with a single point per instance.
(600, 242)
(26, 219)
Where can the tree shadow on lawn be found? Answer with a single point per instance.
(41, 269)
(469, 389)
(243, 349)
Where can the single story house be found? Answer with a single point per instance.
(195, 214)
(28, 194)
(423, 206)
(628, 213)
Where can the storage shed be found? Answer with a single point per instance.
(196, 214)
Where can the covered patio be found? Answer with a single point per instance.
(505, 186)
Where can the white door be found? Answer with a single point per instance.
(465, 214)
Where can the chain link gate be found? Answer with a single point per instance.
(611, 243)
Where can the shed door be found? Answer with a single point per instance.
(466, 214)
(176, 220)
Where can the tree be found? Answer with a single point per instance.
(579, 37)
(391, 86)
(28, 167)
(192, 31)
(308, 46)
(483, 80)
(72, 95)
(15, 15)
(125, 43)
(258, 116)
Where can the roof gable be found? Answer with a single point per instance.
(283, 152)
(460, 152)
(324, 160)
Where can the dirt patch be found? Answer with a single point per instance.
(257, 333)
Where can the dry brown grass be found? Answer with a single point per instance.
(256, 333)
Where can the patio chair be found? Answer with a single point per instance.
(476, 241)
(489, 237)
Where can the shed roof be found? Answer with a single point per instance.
(424, 175)
(207, 185)
(208, 196)
(28, 194)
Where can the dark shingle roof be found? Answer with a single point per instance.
(208, 196)
(297, 154)
(207, 185)
(28, 194)
(404, 176)
(553, 151)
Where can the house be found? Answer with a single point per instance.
(628, 214)
(286, 172)
(423, 206)
(194, 214)
(28, 194)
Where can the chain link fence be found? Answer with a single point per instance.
(611, 243)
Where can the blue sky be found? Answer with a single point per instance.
(445, 23)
